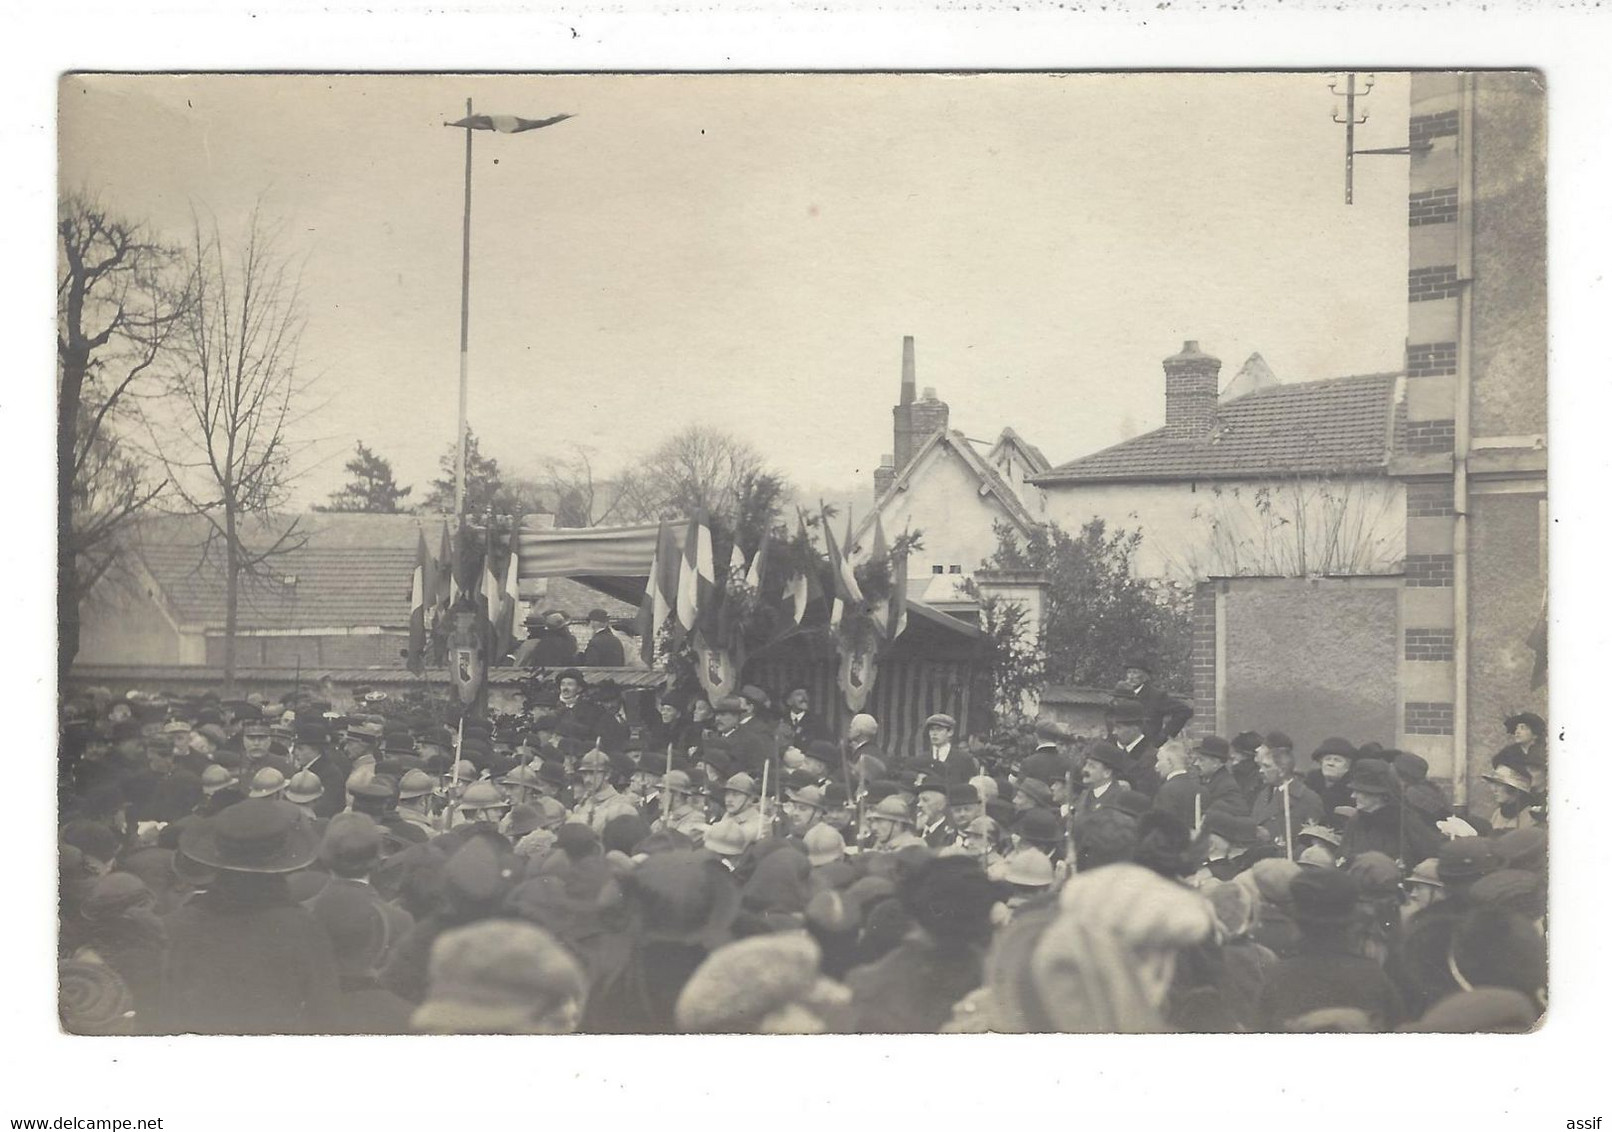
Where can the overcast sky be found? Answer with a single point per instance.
(748, 251)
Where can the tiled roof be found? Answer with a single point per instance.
(1337, 426)
(354, 570)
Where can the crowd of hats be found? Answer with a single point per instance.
(514, 875)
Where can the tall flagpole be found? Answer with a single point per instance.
(464, 371)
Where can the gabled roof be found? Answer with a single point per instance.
(1340, 426)
(1032, 455)
(956, 443)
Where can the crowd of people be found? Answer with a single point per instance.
(270, 864)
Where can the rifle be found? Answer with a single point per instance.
(1069, 822)
(1287, 815)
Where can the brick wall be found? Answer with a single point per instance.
(1430, 359)
(1429, 570)
(1429, 283)
(1429, 644)
(1203, 661)
(1429, 498)
(1425, 127)
(1429, 436)
(379, 650)
(1429, 718)
(1436, 206)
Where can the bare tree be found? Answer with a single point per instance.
(699, 467)
(233, 390)
(119, 299)
(1295, 527)
(581, 498)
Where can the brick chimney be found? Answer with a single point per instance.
(1191, 390)
(883, 476)
(916, 419)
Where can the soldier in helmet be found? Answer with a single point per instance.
(267, 783)
(740, 805)
(599, 801)
(686, 800)
(891, 826)
(303, 789)
(414, 792)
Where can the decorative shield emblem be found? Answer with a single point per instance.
(466, 660)
(859, 666)
(717, 669)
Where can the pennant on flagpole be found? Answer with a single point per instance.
(697, 579)
(417, 607)
(447, 589)
(506, 123)
(758, 564)
(510, 600)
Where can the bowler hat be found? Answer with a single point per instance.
(1410, 767)
(258, 835)
(1213, 746)
(1040, 827)
(1240, 831)
(1139, 661)
(598, 615)
(1247, 742)
(1107, 753)
(1372, 776)
(1127, 710)
(1278, 740)
(962, 794)
(823, 751)
(1324, 896)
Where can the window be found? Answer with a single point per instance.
(938, 569)
(956, 569)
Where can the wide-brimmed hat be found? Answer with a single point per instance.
(1028, 867)
(1373, 776)
(258, 835)
(1321, 833)
(1336, 746)
(1535, 724)
(1506, 775)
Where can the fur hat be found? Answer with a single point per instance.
(495, 976)
(758, 985)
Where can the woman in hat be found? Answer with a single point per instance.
(1330, 779)
(242, 957)
(1381, 822)
(1514, 791)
